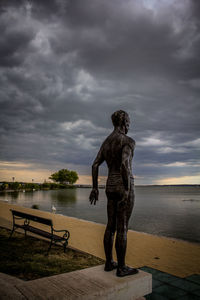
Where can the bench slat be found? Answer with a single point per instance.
(44, 233)
(32, 217)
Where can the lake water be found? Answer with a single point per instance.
(167, 210)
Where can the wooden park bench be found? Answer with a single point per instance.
(28, 225)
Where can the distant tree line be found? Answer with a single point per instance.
(20, 186)
(63, 179)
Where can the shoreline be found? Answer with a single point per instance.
(142, 232)
(100, 187)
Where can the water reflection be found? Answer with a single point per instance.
(29, 194)
(62, 197)
(14, 195)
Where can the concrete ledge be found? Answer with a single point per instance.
(88, 284)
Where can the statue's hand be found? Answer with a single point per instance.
(94, 196)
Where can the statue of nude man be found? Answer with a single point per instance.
(117, 150)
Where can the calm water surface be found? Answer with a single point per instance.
(168, 211)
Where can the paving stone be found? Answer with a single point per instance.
(156, 283)
(155, 296)
(169, 291)
(149, 270)
(185, 285)
(164, 277)
(194, 278)
(197, 292)
(158, 275)
(188, 297)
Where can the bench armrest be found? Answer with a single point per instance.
(18, 218)
(59, 230)
(66, 233)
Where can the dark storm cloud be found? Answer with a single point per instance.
(14, 41)
(109, 39)
(67, 65)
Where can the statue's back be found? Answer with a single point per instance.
(112, 152)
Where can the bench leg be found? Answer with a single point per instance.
(11, 233)
(49, 246)
(65, 246)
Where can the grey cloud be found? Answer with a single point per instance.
(65, 67)
(114, 40)
(15, 39)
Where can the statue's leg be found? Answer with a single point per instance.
(130, 205)
(121, 238)
(110, 232)
(123, 215)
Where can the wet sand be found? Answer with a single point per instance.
(176, 257)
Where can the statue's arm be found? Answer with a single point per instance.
(125, 167)
(95, 170)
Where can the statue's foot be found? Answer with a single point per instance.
(126, 271)
(109, 266)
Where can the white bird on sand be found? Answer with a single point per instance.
(53, 209)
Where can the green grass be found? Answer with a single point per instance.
(25, 257)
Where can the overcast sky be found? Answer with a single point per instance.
(66, 66)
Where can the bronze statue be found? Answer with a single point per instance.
(117, 150)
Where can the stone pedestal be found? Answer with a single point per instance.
(88, 284)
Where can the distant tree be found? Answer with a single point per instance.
(14, 185)
(64, 176)
(72, 177)
(4, 186)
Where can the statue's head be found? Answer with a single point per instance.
(121, 119)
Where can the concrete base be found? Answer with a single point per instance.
(87, 284)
